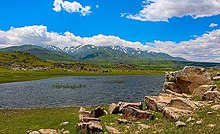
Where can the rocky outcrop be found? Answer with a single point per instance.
(90, 121)
(188, 79)
(179, 90)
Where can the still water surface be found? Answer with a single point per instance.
(99, 90)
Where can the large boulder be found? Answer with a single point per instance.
(182, 103)
(133, 113)
(199, 92)
(156, 103)
(189, 78)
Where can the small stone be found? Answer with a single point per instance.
(48, 131)
(82, 109)
(64, 123)
(66, 132)
(123, 121)
(199, 122)
(112, 130)
(190, 119)
(215, 107)
(144, 126)
(34, 132)
(209, 112)
(211, 125)
(180, 124)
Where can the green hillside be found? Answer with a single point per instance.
(21, 60)
(40, 52)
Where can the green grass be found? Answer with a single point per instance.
(20, 121)
(69, 86)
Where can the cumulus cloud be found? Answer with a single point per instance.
(71, 7)
(203, 48)
(163, 10)
(213, 25)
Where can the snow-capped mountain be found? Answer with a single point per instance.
(90, 52)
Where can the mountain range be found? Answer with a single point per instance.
(90, 53)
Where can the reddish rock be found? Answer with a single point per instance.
(130, 112)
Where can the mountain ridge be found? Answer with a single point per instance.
(90, 53)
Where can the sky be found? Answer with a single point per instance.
(187, 28)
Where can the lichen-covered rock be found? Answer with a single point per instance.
(130, 112)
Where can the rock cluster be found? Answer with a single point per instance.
(90, 121)
(175, 102)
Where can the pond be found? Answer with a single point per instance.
(79, 91)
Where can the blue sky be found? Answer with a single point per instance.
(104, 17)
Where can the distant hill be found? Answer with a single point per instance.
(40, 52)
(21, 60)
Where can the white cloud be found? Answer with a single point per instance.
(97, 6)
(203, 48)
(213, 25)
(71, 7)
(162, 10)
